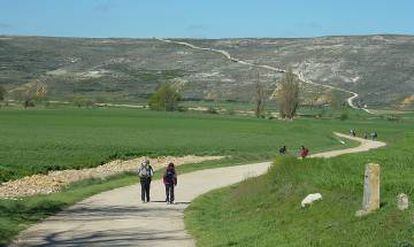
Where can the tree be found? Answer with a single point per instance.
(335, 99)
(3, 93)
(259, 99)
(166, 98)
(37, 90)
(288, 95)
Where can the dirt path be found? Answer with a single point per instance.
(350, 100)
(118, 218)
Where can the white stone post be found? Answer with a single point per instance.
(371, 199)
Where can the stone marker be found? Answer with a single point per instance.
(402, 201)
(371, 199)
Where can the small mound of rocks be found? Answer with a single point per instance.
(54, 181)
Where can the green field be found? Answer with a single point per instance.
(266, 211)
(39, 140)
(42, 139)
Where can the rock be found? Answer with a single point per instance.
(361, 213)
(402, 201)
(309, 199)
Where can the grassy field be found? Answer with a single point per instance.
(265, 211)
(39, 140)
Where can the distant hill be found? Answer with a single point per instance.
(379, 67)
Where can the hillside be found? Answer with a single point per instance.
(378, 67)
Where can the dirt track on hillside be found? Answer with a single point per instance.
(350, 100)
(118, 218)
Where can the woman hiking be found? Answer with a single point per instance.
(303, 152)
(145, 173)
(170, 180)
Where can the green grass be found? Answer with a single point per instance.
(265, 211)
(39, 140)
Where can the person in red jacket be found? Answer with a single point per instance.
(170, 181)
(303, 152)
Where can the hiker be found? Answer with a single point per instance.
(365, 135)
(303, 152)
(283, 150)
(352, 132)
(170, 180)
(374, 135)
(145, 173)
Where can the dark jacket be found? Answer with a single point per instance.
(170, 176)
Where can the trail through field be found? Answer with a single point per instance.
(301, 77)
(118, 218)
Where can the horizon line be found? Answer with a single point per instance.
(201, 38)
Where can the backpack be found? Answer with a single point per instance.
(145, 172)
(170, 176)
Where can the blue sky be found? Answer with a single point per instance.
(205, 18)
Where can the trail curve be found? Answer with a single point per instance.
(227, 55)
(118, 218)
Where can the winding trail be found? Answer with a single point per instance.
(301, 77)
(118, 218)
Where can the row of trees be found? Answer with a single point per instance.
(287, 96)
(166, 98)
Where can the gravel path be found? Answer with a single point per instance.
(118, 218)
(54, 181)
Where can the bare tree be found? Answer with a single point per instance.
(288, 95)
(35, 90)
(259, 98)
(334, 99)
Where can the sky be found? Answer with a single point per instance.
(205, 18)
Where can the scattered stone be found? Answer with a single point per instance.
(371, 199)
(309, 199)
(54, 181)
(402, 201)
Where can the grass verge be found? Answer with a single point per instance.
(265, 211)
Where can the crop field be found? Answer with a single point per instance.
(39, 140)
(266, 210)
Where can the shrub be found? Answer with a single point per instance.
(344, 116)
(211, 110)
(166, 98)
